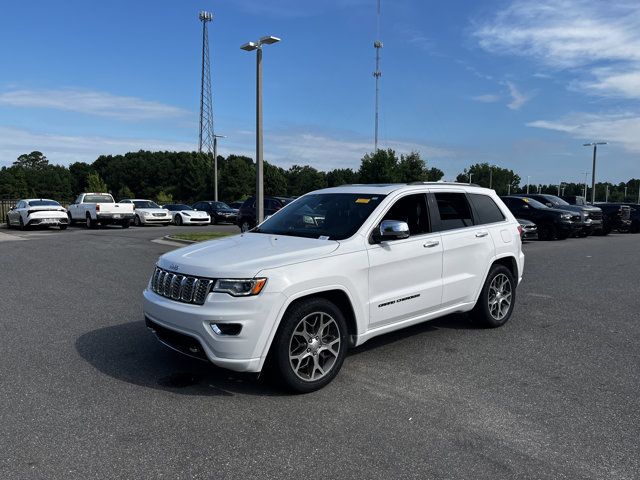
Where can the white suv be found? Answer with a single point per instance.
(333, 269)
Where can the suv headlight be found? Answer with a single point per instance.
(565, 216)
(239, 287)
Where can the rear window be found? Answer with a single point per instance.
(43, 203)
(98, 199)
(486, 209)
(454, 211)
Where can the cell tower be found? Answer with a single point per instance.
(377, 74)
(206, 137)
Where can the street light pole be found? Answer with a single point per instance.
(470, 175)
(490, 176)
(215, 165)
(593, 169)
(249, 47)
(528, 181)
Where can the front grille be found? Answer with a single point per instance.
(181, 288)
(595, 215)
(575, 218)
(158, 215)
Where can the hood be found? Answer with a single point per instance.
(152, 210)
(243, 256)
(195, 213)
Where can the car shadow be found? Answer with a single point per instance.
(455, 321)
(130, 352)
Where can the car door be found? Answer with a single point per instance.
(405, 275)
(467, 247)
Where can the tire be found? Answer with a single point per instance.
(486, 312)
(545, 232)
(562, 235)
(70, 219)
(9, 227)
(125, 223)
(178, 220)
(22, 225)
(89, 223)
(213, 220)
(245, 226)
(62, 227)
(136, 221)
(301, 372)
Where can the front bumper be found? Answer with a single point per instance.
(47, 220)
(242, 352)
(152, 219)
(196, 221)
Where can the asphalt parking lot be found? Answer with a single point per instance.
(88, 392)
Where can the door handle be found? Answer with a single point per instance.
(435, 243)
(482, 234)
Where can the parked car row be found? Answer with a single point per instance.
(558, 218)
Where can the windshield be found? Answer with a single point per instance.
(43, 203)
(220, 206)
(329, 216)
(557, 200)
(145, 204)
(98, 199)
(534, 203)
(181, 207)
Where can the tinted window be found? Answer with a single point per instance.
(486, 209)
(454, 211)
(43, 203)
(411, 209)
(145, 204)
(331, 216)
(98, 199)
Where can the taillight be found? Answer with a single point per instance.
(97, 207)
(520, 230)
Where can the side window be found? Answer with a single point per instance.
(486, 209)
(411, 209)
(454, 211)
(79, 199)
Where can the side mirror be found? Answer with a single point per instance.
(391, 230)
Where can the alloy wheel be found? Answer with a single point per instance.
(500, 295)
(314, 346)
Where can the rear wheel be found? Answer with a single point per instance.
(89, 223)
(310, 346)
(497, 298)
(63, 227)
(245, 226)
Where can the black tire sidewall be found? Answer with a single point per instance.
(481, 310)
(280, 347)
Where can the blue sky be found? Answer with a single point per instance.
(515, 83)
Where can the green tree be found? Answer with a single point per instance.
(125, 192)
(304, 179)
(33, 160)
(434, 174)
(341, 176)
(411, 168)
(164, 198)
(379, 167)
(275, 180)
(484, 174)
(95, 183)
(237, 178)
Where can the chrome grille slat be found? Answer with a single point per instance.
(181, 288)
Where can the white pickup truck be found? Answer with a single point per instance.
(100, 208)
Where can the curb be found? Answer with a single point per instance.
(169, 238)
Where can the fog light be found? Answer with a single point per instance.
(226, 328)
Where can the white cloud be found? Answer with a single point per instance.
(65, 149)
(597, 37)
(518, 99)
(615, 128)
(91, 102)
(487, 98)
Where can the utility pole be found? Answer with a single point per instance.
(528, 181)
(377, 44)
(508, 189)
(470, 175)
(249, 47)
(490, 176)
(593, 169)
(215, 165)
(586, 174)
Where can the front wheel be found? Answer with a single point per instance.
(245, 226)
(136, 221)
(497, 298)
(8, 223)
(178, 220)
(310, 346)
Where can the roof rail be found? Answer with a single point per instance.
(444, 183)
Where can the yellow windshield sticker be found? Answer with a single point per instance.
(526, 200)
(363, 200)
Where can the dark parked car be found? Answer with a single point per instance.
(552, 223)
(529, 229)
(614, 216)
(590, 216)
(235, 205)
(247, 213)
(634, 217)
(219, 212)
